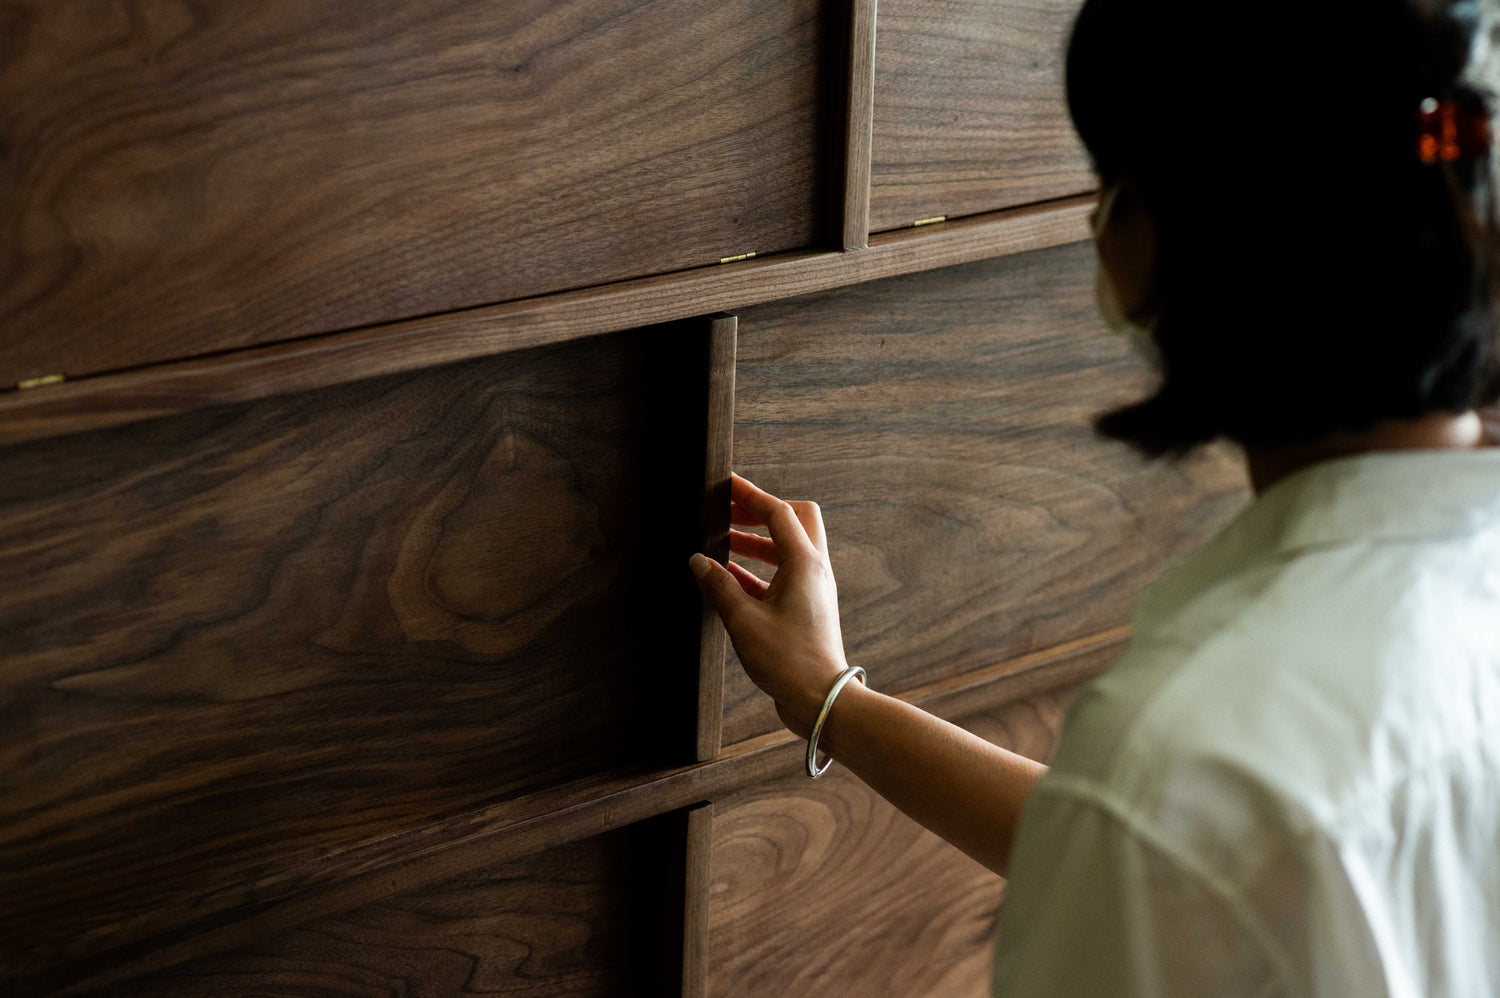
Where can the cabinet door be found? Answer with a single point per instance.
(941, 420)
(180, 179)
(242, 640)
(969, 109)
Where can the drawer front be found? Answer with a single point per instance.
(242, 639)
(970, 114)
(182, 179)
(596, 918)
(941, 420)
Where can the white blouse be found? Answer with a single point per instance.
(1289, 784)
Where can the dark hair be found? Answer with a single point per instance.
(1312, 273)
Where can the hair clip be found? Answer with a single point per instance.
(1448, 130)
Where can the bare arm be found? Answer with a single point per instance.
(951, 781)
(786, 632)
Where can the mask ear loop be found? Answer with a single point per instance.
(1105, 212)
(1142, 336)
(1100, 222)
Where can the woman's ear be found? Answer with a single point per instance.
(1127, 250)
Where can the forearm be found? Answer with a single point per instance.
(967, 790)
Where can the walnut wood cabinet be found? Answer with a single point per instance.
(376, 368)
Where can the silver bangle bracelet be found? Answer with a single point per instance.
(813, 769)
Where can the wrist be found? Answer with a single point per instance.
(800, 714)
(852, 699)
(799, 711)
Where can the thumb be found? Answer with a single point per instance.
(719, 587)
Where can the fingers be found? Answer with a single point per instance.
(722, 589)
(749, 581)
(742, 517)
(811, 518)
(786, 527)
(808, 513)
(754, 546)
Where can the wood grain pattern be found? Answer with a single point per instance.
(240, 640)
(696, 887)
(116, 399)
(584, 919)
(969, 109)
(401, 686)
(718, 448)
(188, 178)
(859, 112)
(942, 423)
(824, 888)
(473, 839)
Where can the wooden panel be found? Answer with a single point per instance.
(969, 109)
(821, 887)
(717, 464)
(592, 918)
(181, 179)
(859, 105)
(475, 838)
(942, 423)
(168, 389)
(697, 874)
(245, 638)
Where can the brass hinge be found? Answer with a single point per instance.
(736, 259)
(46, 379)
(929, 221)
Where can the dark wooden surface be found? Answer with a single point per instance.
(941, 422)
(969, 109)
(183, 179)
(718, 426)
(240, 376)
(272, 902)
(698, 869)
(598, 917)
(823, 888)
(242, 639)
(859, 106)
(357, 654)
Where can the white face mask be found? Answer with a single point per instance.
(1142, 338)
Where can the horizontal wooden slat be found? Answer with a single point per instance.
(163, 390)
(181, 180)
(237, 640)
(594, 919)
(436, 851)
(969, 109)
(825, 888)
(941, 421)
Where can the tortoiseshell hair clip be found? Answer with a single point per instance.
(1447, 130)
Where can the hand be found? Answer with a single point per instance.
(786, 632)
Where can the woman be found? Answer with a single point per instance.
(1290, 783)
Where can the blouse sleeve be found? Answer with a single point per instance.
(1094, 907)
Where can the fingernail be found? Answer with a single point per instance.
(699, 565)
